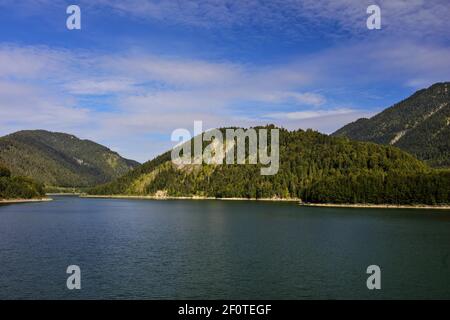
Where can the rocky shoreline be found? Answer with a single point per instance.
(6, 201)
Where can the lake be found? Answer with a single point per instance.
(187, 249)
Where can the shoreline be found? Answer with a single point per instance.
(324, 205)
(358, 205)
(375, 206)
(7, 201)
(63, 194)
(329, 205)
(184, 198)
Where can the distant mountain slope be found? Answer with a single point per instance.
(419, 124)
(59, 159)
(313, 167)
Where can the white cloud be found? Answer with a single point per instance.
(28, 62)
(307, 98)
(25, 106)
(326, 121)
(100, 86)
(310, 114)
(174, 71)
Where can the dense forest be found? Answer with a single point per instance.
(419, 125)
(313, 167)
(18, 187)
(61, 160)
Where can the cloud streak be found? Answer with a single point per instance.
(400, 17)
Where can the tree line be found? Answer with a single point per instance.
(18, 187)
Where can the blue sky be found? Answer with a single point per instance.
(139, 69)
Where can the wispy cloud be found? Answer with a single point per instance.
(100, 86)
(56, 89)
(326, 120)
(25, 106)
(310, 114)
(408, 17)
(292, 18)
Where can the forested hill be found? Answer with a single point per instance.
(419, 124)
(59, 159)
(18, 187)
(313, 167)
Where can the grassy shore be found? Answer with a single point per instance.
(4, 201)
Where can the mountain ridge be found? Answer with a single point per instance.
(61, 159)
(419, 124)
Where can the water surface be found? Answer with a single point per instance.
(184, 249)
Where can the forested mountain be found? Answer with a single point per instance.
(59, 159)
(18, 187)
(313, 167)
(419, 124)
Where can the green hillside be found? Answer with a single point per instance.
(59, 159)
(313, 167)
(18, 187)
(419, 124)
